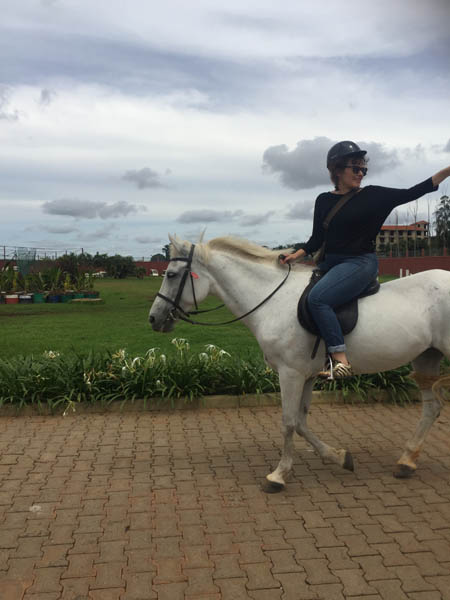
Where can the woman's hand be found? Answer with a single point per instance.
(440, 176)
(291, 257)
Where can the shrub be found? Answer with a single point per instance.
(55, 379)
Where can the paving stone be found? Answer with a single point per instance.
(295, 587)
(354, 582)
(411, 579)
(328, 591)
(231, 589)
(200, 583)
(283, 561)
(260, 576)
(318, 572)
(77, 588)
(390, 589)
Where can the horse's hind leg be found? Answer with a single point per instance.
(291, 385)
(426, 369)
(341, 457)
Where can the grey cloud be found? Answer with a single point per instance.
(447, 147)
(301, 210)
(46, 97)
(87, 209)
(301, 168)
(118, 209)
(99, 234)
(305, 166)
(59, 229)
(144, 239)
(417, 153)
(144, 178)
(250, 220)
(4, 102)
(209, 216)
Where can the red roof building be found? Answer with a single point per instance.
(392, 234)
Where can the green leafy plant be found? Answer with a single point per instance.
(55, 379)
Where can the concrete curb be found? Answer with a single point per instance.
(208, 402)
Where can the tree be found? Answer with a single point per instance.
(166, 251)
(158, 257)
(442, 221)
(120, 266)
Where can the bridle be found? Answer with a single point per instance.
(179, 312)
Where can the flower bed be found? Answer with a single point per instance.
(54, 380)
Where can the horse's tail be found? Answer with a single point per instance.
(443, 382)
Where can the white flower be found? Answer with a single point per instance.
(210, 347)
(51, 354)
(203, 356)
(163, 358)
(135, 361)
(224, 353)
(180, 344)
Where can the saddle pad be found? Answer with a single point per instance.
(347, 313)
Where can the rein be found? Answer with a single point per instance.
(184, 316)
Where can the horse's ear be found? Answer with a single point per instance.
(177, 245)
(201, 237)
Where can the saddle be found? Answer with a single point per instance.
(347, 313)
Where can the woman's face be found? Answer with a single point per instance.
(347, 178)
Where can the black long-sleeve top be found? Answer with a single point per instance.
(355, 226)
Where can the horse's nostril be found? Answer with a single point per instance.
(151, 319)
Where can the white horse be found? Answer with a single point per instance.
(407, 320)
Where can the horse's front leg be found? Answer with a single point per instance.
(291, 385)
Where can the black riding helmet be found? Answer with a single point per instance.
(344, 149)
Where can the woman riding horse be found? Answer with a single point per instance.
(349, 262)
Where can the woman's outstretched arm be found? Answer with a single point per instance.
(440, 176)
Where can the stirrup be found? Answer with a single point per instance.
(336, 370)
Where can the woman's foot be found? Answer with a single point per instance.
(336, 370)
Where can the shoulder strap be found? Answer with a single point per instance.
(339, 204)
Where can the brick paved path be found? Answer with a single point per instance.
(168, 506)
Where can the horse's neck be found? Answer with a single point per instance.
(241, 283)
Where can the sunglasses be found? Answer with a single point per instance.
(356, 169)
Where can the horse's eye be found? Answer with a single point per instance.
(171, 274)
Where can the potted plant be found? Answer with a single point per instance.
(68, 291)
(79, 286)
(39, 287)
(90, 292)
(25, 296)
(12, 297)
(55, 287)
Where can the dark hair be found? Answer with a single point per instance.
(338, 165)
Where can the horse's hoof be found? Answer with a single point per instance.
(272, 487)
(348, 462)
(403, 471)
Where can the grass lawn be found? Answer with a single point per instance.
(120, 322)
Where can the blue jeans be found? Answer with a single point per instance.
(346, 277)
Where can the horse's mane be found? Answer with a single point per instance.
(237, 246)
(244, 249)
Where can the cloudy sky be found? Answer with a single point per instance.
(123, 121)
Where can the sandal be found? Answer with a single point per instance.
(336, 370)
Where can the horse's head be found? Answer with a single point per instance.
(184, 285)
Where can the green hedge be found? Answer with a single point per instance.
(64, 380)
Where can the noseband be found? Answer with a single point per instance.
(183, 315)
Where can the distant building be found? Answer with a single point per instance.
(393, 234)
